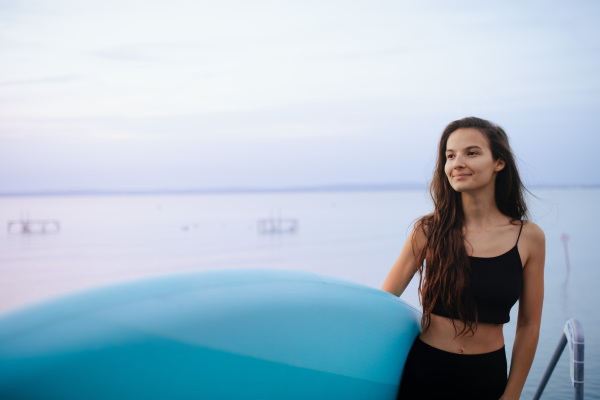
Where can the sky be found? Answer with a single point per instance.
(134, 95)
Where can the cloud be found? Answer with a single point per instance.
(44, 80)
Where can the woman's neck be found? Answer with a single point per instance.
(480, 210)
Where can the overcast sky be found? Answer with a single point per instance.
(146, 95)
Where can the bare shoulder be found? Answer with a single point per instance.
(533, 245)
(533, 234)
(418, 236)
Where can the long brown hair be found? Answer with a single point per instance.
(444, 262)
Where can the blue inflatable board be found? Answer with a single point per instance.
(244, 334)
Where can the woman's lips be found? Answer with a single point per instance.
(462, 176)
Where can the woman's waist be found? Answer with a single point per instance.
(444, 335)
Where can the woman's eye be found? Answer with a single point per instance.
(449, 156)
(472, 153)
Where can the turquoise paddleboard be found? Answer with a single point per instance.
(243, 334)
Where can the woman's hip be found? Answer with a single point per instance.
(430, 372)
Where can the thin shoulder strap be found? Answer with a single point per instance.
(520, 230)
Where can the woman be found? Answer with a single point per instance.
(476, 256)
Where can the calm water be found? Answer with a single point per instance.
(353, 235)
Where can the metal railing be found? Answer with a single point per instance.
(573, 336)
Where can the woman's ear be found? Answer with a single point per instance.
(500, 164)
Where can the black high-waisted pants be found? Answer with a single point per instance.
(431, 373)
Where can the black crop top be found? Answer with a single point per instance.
(495, 285)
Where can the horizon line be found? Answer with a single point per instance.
(255, 189)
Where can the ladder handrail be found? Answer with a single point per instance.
(573, 336)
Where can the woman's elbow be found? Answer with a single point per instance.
(386, 287)
(529, 328)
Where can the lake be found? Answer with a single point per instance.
(353, 235)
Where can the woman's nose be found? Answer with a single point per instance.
(459, 161)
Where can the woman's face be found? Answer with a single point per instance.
(469, 162)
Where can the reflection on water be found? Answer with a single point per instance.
(565, 238)
(565, 285)
(565, 298)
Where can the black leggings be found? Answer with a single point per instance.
(431, 373)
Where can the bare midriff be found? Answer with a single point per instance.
(442, 335)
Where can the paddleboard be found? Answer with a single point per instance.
(236, 334)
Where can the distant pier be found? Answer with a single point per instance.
(33, 226)
(276, 225)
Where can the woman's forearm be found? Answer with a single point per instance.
(526, 340)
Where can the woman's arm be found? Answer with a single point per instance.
(406, 265)
(530, 311)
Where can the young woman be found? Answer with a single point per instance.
(476, 256)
